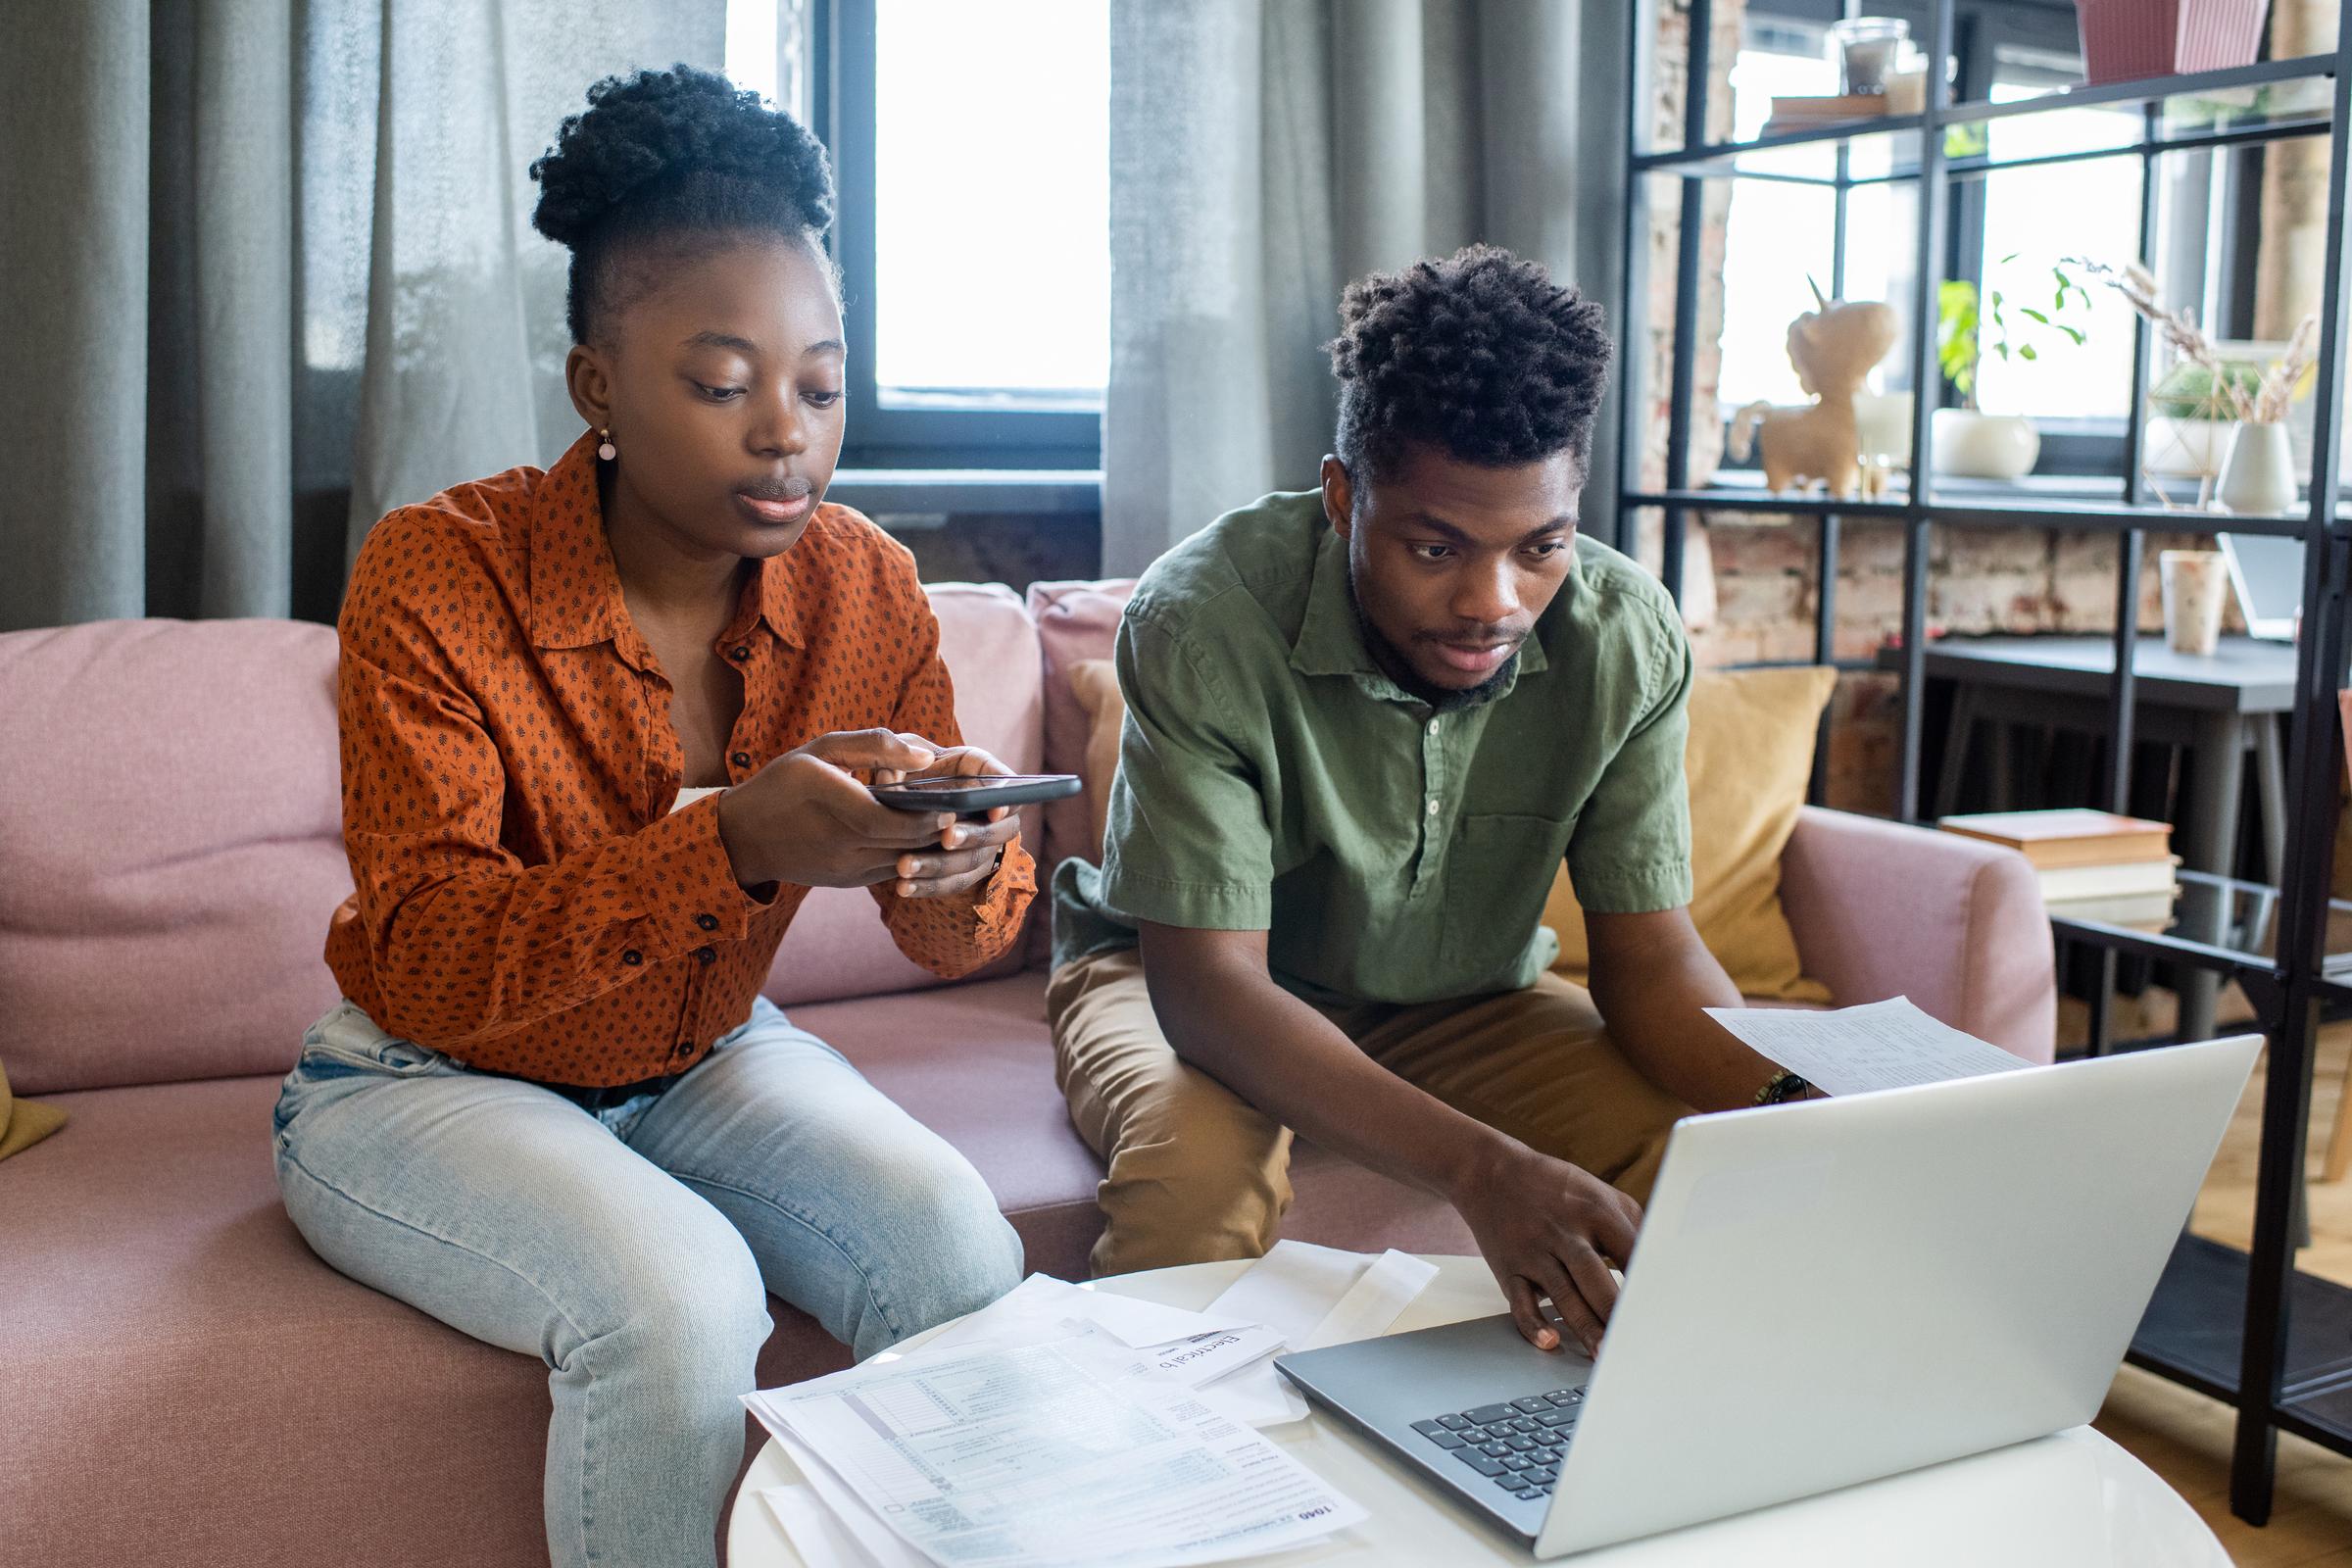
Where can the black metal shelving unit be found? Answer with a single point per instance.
(2245, 1327)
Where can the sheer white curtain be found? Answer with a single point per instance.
(1264, 152)
(267, 269)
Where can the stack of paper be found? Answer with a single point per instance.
(1064, 1424)
(1214, 1352)
(1031, 1454)
(1312, 1297)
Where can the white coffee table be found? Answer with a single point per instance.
(2073, 1500)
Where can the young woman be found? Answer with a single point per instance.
(603, 729)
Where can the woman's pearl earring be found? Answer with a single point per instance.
(607, 452)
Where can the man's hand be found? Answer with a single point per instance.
(808, 818)
(1548, 1228)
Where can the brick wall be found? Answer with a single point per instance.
(1979, 581)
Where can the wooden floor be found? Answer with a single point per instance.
(2184, 1437)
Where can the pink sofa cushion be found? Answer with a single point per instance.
(1075, 621)
(838, 946)
(1883, 910)
(171, 850)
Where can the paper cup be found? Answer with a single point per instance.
(2194, 581)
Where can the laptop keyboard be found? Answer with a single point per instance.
(1516, 1445)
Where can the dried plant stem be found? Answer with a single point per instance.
(2277, 389)
(2268, 403)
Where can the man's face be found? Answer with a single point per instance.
(1451, 562)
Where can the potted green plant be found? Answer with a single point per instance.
(2259, 472)
(1969, 442)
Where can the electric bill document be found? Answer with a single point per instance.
(1038, 1455)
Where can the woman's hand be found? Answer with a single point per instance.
(970, 851)
(808, 818)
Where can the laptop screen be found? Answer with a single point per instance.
(2267, 574)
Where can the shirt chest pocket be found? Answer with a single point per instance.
(1500, 873)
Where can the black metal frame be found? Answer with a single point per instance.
(2277, 1384)
(883, 437)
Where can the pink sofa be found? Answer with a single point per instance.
(185, 1382)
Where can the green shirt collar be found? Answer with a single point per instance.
(1270, 781)
(1330, 642)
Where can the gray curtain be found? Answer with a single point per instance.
(1263, 153)
(266, 271)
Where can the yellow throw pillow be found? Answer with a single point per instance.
(23, 1122)
(1095, 682)
(1748, 758)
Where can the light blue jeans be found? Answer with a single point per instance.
(632, 1248)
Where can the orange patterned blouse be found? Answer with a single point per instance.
(525, 899)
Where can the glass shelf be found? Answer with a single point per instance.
(1877, 151)
(2217, 85)
(1755, 499)
(2070, 502)
(2218, 922)
(2194, 1332)
(2268, 101)
(1972, 152)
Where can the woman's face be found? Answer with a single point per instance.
(722, 388)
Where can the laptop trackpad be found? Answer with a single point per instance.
(1386, 1385)
(1470, 1358)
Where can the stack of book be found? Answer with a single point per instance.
(2093, 865)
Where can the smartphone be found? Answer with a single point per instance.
(976, 793)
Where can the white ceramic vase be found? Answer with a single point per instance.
(1984, 446)
(2258, 477)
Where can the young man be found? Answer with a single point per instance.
(1365, 724)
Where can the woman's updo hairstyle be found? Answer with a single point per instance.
(661, 164)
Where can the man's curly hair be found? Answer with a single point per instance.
(665, 159)
(1481, 355)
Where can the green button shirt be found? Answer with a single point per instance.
(1272, 778)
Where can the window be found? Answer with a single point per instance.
(2009, 226)
(1780, 239)
(1791, 223)
(980, 112)
(2027, 221)
(971, 147)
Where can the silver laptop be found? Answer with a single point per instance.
(1824, 1293)
(2266, 575)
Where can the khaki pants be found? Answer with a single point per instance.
(1197, 1173)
